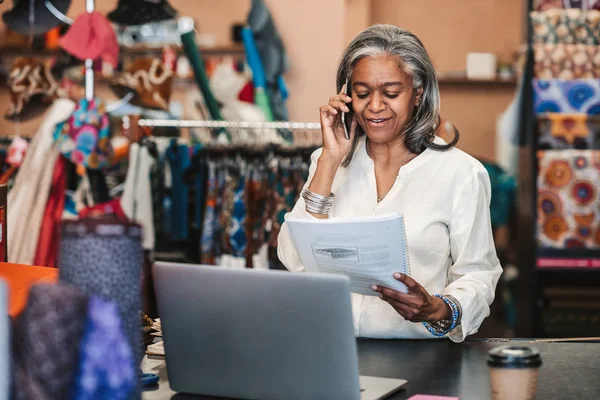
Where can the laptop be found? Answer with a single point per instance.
(261, 334)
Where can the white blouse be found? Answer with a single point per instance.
(444, 197)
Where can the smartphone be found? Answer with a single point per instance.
(347, 117)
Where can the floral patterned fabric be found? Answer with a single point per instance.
(566, 61)
(567, 96)
(568, 203)
(543, 5)
(84, 138)
(568, 131)
(571, 26)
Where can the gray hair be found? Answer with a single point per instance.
(418, 133)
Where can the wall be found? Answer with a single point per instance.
(451, 29)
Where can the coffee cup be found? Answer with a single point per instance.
(513, 372)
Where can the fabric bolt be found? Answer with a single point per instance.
(566, 61)
(572, 26)
(445, 200)
(47, 334)
(568, 202)
(84, 138)
(543, 5)
(567, 96)
(178, 156)
(32, 186)
(104, 258)
(207, 238)
(92, 37)
(47, 248)
(568, 131)
(136, 200)
(106, 366)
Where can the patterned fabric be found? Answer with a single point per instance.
(207, 238)
(572, 26)
(543, 5)
(47, 337)
(106, 366)
(568, 203)
(566, 61)
(226, 210)
(237, 233)
(104, 258)
(567, 96)
(568, 131)
(84, 138)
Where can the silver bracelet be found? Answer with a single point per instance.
(316, 203)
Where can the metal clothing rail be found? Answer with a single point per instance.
(176, 123)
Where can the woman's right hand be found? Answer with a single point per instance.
(335, 144)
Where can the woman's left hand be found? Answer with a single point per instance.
(417, 305)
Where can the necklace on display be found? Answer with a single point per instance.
(406, 160)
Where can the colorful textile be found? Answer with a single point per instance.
(567, 96)
(84, 138)
(106, 366)
(572, 26)
(566, 61)
(568, 131)
(237, 234)
(568, 202)
(543, 5)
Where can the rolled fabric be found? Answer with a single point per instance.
(572, 26)
(567, 96)
(568, 201)
(104, 257)
(567, 61)
(568, 131)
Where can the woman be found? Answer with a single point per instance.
(394, 162)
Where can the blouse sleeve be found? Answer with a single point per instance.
(286, 250)
(475, 270)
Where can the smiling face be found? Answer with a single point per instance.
(383, 97)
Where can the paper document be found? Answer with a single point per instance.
(367, 250)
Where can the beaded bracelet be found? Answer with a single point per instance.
(436, 329)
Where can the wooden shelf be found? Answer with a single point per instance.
(233, 49)
(461, 79)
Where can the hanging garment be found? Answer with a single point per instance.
(92, 37)
(46, 346)
(104, 258)
(273, 56)
(568, 131)
(178, 157)
(29, 195)
(568, 202)
(47, 248)
(208, 232)
(84, 138)
(566, 96)
(571, 26)
(566, 61)
(106, 365)
(136, 201)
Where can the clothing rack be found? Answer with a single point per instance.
(175, 123)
